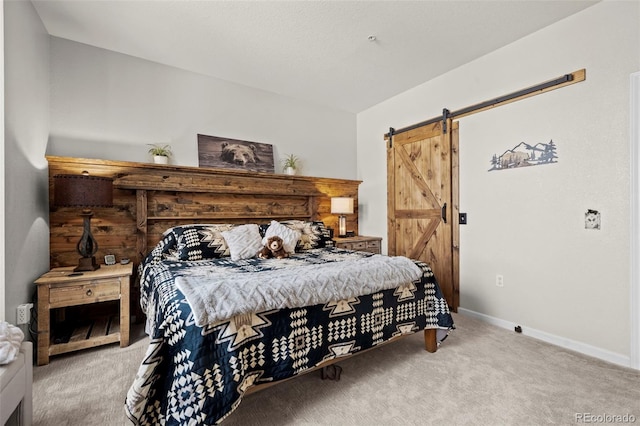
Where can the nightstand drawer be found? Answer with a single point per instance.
(87, 292)
(359, 243)
(374, 246)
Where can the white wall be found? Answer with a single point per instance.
(562, 282)
(2, 179)
(26, 128)
(109, 105)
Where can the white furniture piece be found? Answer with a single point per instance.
(16, 379)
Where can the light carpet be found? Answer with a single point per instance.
(481, 374)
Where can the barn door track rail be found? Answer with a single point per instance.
(556, 83)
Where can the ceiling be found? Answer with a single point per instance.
(317, 51)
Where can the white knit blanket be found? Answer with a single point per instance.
(10, 339)
(215, 294)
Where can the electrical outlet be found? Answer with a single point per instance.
(499, 280)
(23, 315)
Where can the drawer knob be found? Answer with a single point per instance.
(89, 292)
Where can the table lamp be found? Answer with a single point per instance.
(342, 206)
(85, 192)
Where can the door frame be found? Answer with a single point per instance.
(634, 120)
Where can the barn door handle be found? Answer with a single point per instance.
(444, 212)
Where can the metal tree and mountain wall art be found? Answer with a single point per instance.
(524, 155)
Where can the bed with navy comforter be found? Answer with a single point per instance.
(219, 327)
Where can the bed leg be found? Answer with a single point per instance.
(430, 340)
(331, 372)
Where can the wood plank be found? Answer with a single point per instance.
(43, 324)
(100, 327)
(418, 214)
(124, 322)
(141, 224)
(578, 76)
(84, 344)
(391, 199)
(183, 181)
(455, 197)
(80, 332)
(197, 205)
(114, 325)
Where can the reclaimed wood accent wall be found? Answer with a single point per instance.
(149, 198)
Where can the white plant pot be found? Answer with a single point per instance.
(160, 159)
(290, 171)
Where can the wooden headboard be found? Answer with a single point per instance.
(150, 198)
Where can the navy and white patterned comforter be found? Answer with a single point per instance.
(198, 375)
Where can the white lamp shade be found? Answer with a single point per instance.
(342, 205)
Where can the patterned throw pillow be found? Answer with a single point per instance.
(313, 234)
(244, 241)
(201, 241)
(289, 236)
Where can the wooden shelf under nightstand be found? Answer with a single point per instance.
(359, 243)
(58, 289)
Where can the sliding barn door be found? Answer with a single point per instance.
(422, 183)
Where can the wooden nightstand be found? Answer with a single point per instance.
(58, 289)
(360, 243)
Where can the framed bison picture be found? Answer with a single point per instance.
(224, 153)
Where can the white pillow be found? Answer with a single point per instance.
(289, 236)
(244, 241)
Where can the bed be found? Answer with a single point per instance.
(198, 374)
(201, 360)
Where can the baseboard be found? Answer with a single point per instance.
(562, 342)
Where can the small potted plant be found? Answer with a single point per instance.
(161, 153)
(290, 164)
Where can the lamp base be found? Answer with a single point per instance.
(342, 226)
(87, 264)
